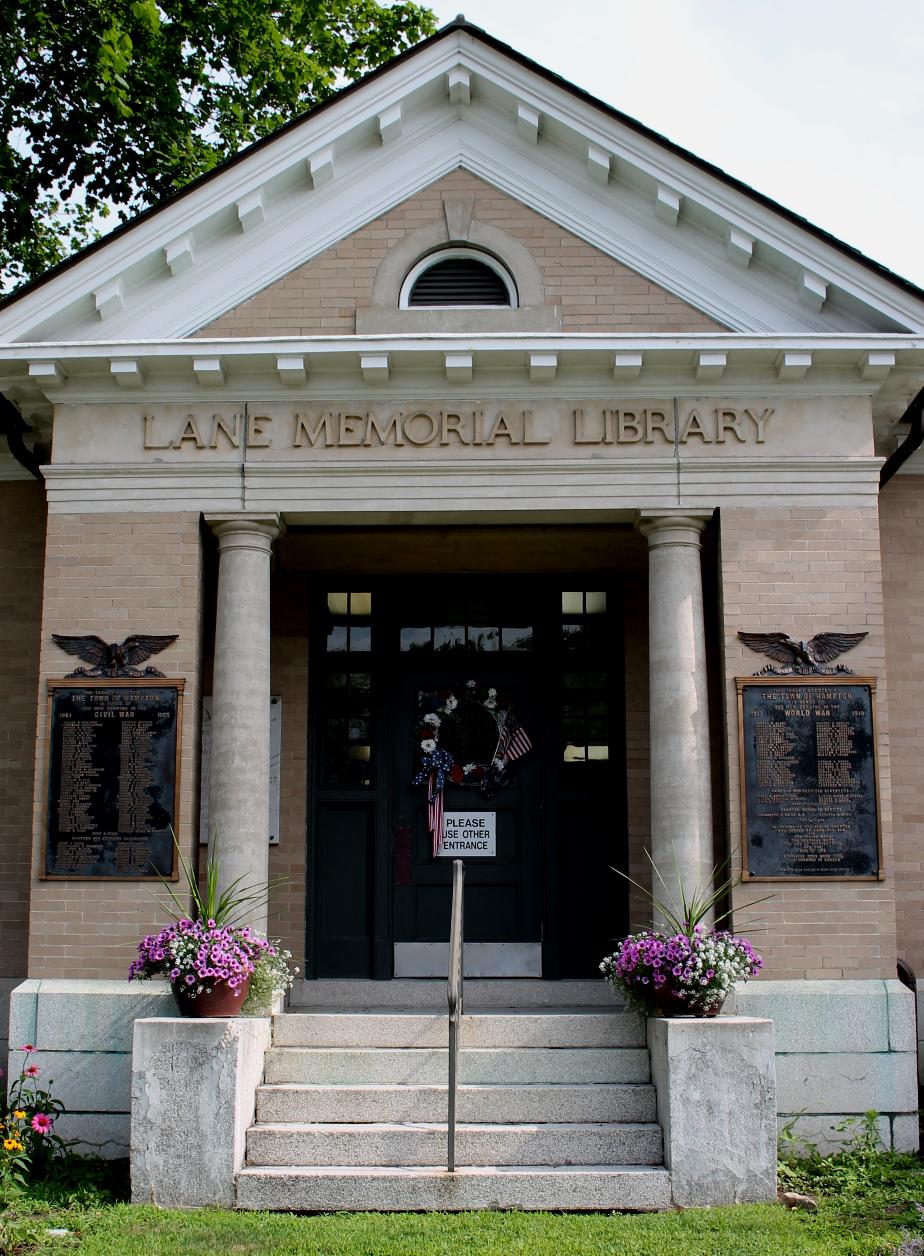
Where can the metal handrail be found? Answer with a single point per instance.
(454, 993)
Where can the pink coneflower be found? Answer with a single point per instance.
(27, 1047)
(41, 1123)
(32, 1070)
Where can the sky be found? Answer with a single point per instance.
(818, 104)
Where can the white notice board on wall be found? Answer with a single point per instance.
(469, 835)
(206, 768)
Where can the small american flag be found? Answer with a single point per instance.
(514, 740)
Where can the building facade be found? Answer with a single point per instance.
(465, 377)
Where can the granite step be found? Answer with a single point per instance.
(416, 992)
(598, 1028)
(540, 1103)
(632, 1188)
(425, 1144)
(477, 1065)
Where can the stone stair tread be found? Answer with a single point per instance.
(369, 1127)
(424, 1170)
(574, 1188)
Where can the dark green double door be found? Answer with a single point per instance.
(546, 903)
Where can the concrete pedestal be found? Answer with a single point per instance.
(717, 1107)
(193, 1089)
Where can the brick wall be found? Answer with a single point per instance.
(290, 681)
(801, 571)
(22, 544)
(112, 575)
(595, 292)
(901, 507)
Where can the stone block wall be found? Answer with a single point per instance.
(901, 508)
(804, 570)
(843, 1048)
(22, 546)
(82, 1031)
(113, 574)
(595, 292)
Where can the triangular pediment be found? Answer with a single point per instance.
(461, 101)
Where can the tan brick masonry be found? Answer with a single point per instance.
(901, 507)
(802, 571)
(22, 544)
(596, 293)
(112, 575)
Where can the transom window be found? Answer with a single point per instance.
(458, 279)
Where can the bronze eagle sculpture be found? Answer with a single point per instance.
(115, 660)
(802, 658)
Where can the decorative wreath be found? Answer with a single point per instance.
(467, 740)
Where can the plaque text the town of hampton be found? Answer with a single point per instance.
(112, 778)
(809, 786)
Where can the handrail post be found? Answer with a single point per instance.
(454, 995)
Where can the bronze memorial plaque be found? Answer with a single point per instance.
(809, 785)
(113, 778)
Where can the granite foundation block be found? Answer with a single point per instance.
(193, 1090)
(716, 1090)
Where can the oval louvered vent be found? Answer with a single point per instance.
(459, 281)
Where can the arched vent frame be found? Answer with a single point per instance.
(448, 254)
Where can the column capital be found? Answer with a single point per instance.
(245, 530)
(672, 525)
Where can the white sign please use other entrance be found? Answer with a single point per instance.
(472, 835)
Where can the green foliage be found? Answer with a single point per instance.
(227, 907)
(270, 977)
(861, 1180)
(121, 102)
(28, 1144)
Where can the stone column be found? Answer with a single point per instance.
(239, 785)
(681, 793)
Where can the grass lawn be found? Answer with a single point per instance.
(868, 1206)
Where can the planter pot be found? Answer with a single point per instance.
(220, 1000)
(665, 1002)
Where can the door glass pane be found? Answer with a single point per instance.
(338, 603)
(595, 603)
(360, 603)
(449, 638)
(484, 638)
(337, 639)
(572, 603)
(361, 638)
(415, 639)
(516, 638)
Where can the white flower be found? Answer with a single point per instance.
(470, 684)
(450, 705)
(428, 745)
(469, 768)
(497, 763)
(492, 693)
(432, 719)
(490, 703)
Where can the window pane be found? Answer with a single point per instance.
(598, 752)
(449, 638)
(574, 753)
(572, 603)
(360, 682)
(415, 639)
(572, 636)
(596, 603)
(337, 603)
(361, 638)
(516, 638)
(484, 638)
(360, 603)
(337, 639)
